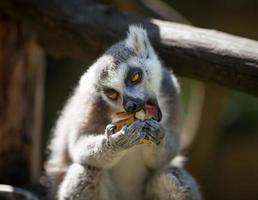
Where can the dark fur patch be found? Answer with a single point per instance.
(120, 52)
(104, 74)
(169, 90)
(145, 44)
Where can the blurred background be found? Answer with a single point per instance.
(222, 122)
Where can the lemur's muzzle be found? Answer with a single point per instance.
(132, 105)
(150, 106)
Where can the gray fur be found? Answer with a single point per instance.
(90, 161)
(120, 52)
(172, 183)
(171, 92)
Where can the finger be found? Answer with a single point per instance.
(137, 140)
(137, 127)
(122, 137)
(154, 130)
(132, 139)
(153, 124)
(150, 131)
(135, 124)
(138, 135)
(110, 129)
(130, 131)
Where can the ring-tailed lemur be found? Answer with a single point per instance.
(90, 161)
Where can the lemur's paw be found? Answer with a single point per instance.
(154, 131)
(128, 136)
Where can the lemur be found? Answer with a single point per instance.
(90, 161)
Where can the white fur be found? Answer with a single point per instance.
(129, 174)
(137, 40)
(115, 80)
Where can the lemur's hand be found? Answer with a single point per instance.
(128, 136)
(154, 131)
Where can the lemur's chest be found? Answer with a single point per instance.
(129, 175)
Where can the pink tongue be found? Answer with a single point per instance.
(151, 110)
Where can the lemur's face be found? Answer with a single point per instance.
(132, 83)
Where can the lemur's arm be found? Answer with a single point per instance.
(94, 150)
(99, 152)
(160, 153)
(103, 151)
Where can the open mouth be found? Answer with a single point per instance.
(152, 109)
(149, 110)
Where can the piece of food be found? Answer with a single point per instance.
(141, 115)
(122, 118)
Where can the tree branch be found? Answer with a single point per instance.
(83, 29)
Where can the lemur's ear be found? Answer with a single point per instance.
(137, 40)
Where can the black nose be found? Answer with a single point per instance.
(132, 104)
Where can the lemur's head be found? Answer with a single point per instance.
(131, 74)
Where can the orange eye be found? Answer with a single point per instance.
(113, 95)
(135, 77)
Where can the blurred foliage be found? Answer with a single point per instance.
(240, 116)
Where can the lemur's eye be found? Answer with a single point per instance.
(136, 77)
(111, 93)
(114, 95)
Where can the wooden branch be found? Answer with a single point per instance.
(20, 106)
(83, 29)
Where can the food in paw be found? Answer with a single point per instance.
(123, 118)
